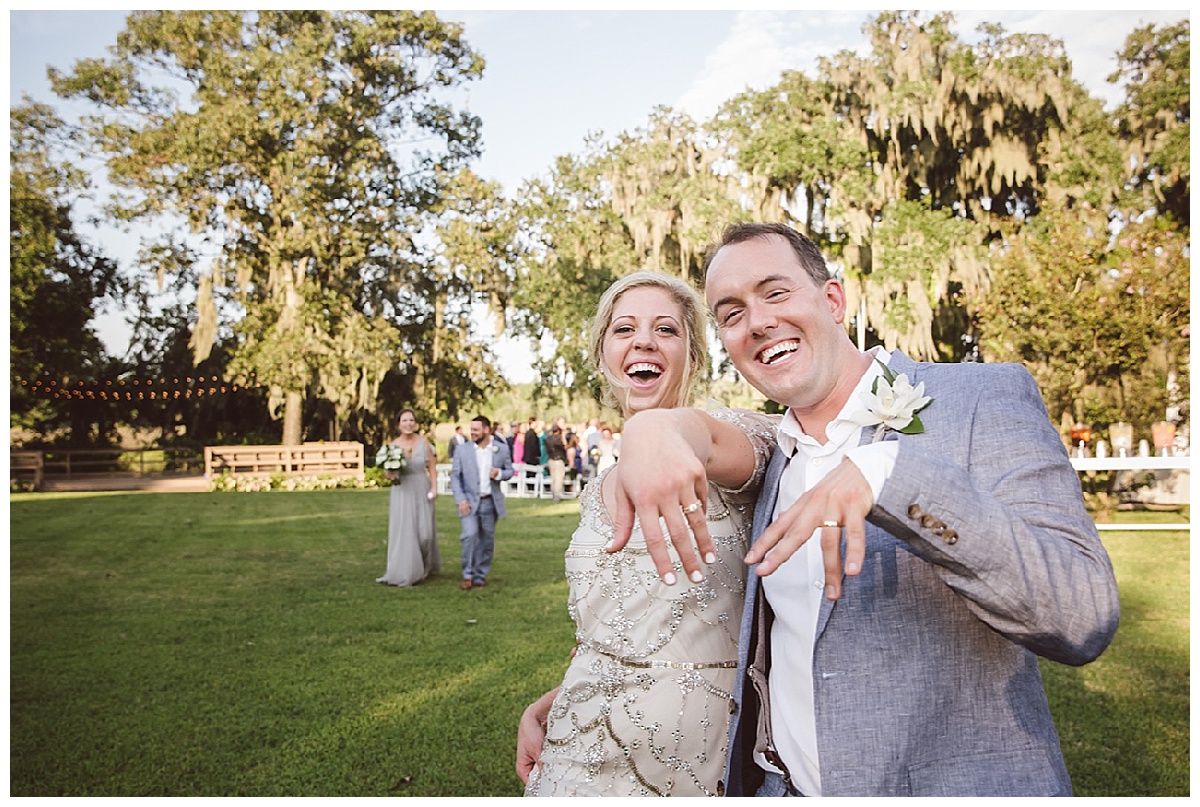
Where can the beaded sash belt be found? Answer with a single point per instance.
(657, 664)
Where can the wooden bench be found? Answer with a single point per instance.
(307, 459)
(26, 465)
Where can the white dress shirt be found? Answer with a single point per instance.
(796, 589)
(483, 459)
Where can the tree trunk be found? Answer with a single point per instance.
(810, 205)
(292, 406)
(430, 366)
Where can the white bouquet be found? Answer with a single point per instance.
(391, 458)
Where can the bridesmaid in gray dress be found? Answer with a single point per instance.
(412, 553)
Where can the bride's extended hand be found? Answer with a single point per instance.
(531, 734)
(661, 476)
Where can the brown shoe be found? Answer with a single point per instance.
(464, 585)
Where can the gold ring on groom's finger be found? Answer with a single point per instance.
(691, 508)
(831, 523)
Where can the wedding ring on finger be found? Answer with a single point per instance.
(828, 523)
(691, 508)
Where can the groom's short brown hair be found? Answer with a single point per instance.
(806, 251)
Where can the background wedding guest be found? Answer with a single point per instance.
(455, 441)
(518, 447)
(591, 447)
(556, 452)
(608, 448)
(575, 459)
(533, 449)
(593, 427)
(543, 431)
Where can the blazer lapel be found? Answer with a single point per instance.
(765, 505)
(470, 466)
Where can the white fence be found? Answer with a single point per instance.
(1162, 466)
(528, 482)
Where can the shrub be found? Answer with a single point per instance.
(226, 482)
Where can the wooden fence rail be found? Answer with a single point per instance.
(73, 463)
(322, 459)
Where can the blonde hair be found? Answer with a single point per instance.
(694, 318)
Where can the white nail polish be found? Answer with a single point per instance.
(710, 557)
(697, 576)
(669, 578)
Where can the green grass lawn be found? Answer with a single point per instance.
(237, 645)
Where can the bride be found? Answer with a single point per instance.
(644, 706)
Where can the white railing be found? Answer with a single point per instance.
(532, 481)
(1093, 464)
(1131, 463)
(527, 482)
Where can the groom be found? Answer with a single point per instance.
(913, 669)
(476, 471)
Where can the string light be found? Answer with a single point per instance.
(153, 389)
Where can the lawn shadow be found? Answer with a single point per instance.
(1124, 719)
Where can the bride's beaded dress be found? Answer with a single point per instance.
(644, 707)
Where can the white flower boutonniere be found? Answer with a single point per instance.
(495, 448)
(894, 403)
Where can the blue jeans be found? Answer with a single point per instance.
(478, 540)
(776, 785)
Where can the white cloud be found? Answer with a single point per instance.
(1091, 38)
(761, 45)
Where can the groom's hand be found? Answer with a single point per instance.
(659, 476)
(843, 497)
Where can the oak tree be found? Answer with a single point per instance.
(302, 151)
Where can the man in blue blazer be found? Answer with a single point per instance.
(908, 666)
(476, 472)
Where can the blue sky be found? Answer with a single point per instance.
(554, 76)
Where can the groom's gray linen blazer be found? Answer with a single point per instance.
(464, 475)
(979, 555)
